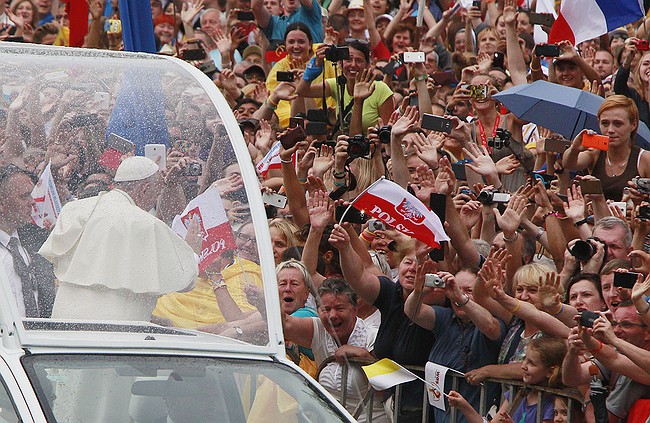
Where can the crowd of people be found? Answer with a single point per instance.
(545, 279)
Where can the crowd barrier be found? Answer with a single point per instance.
(366, 404)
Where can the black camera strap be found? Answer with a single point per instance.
(346, 111)
(352, 182)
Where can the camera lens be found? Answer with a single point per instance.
(582, 250)
(485, 197)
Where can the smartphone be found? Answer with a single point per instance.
(543, 19)
(275, 200)
(591, 186)
(625, 279)
(157, 153)
(477, 4)
(456, 8)
(547, 50)
(246, 27)
(316, 128)
(444, 78)
(497, 60)
(352, 216)
(556, 146)
(102, 99)
(113, 26)
(599, 142)
(193, 54)
(546, 179)
(120, 144)
(285, 76)
(413, 100)
(436, 123)
(245, 15)
(318, 115)
(412, 57)
(587, 318)
(459, 171)
(292, 137)
(621, 205)
(391, 67)
(478, 92)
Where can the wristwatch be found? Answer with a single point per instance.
(239, 332)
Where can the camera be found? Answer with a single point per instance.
(642, 185)
(358, 146)
(501, 140)
(412, 57)
(336, 53)
(376, 225)
(193, 169)
(642, 45)
(384, 134)
(584, 250)
(490, 196)
(644, 212)
(587, 318)
(208, 68)
(433, 281)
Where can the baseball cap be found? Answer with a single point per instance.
(135, 168)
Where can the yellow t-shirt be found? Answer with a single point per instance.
(371, 105)
(284, 107)
(199, 307)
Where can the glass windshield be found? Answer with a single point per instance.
(78, 115)
(81, 388)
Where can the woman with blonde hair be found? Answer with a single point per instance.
(640, 94)
(283, 237)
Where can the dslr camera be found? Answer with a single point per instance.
(384, 134)
(490, 196)
(501, 140)
(642, 185)
(358, 146)
(336, 53)
(433, 281)
(584, 250)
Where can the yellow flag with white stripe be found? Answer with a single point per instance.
(385, 374)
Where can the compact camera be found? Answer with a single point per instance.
(384, 134)
(501, 140)
(193, 169)
(433, 281)
(336, 53)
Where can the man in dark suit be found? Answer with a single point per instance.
(30, 276)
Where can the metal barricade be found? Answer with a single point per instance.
(367, 401)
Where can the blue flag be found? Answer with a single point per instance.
(137, 26)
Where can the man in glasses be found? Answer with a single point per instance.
(30, 275)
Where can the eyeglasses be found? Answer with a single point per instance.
(627, 324)
(246, 238)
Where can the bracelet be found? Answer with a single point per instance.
(302, 180)
(463, 304)
(561, 310)
(367, 236)
(338, 175)
(552, 213)
(581, 222)
(422, 77)
(641, 313)
(536, 70)
(597, 350)
(540, 232)
(218, 284)
(286, 161)
(270, 105)
(339, 184)
(514, 310)
(509, 240)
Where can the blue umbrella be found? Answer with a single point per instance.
(561, 109)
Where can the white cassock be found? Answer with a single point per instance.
(113, 259)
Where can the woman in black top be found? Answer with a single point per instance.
(641, 94)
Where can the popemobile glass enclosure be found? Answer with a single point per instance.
(189, 362)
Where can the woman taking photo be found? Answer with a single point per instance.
(641, 93)
(364, 101)
(619, 119)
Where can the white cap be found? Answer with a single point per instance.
(135, 168)
(356, 5)
(385, 16)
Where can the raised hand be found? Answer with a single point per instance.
(425, 150)
(189, 11)
(470, 213)
(574, 208)
(364, 85)
(481, 163)
(551, 292)
(406, 123)
(320, 208)
(425, 188)
(324, 161)
(507, 165)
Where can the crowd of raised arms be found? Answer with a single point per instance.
(545, 277)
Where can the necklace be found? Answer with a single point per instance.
(618, 167)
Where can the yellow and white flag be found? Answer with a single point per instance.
(385, 374)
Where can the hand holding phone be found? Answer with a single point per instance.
(593, 140)
(292, 137)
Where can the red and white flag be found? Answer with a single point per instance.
(272, 160)
(215, 228)
(392, 204)
(47, 205)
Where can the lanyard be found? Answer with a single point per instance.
(494, 132)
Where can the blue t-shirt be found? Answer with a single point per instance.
(311, 17)
(305, 312)
(526, 413)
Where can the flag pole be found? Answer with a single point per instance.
(357, 197)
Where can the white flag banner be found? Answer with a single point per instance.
(47, 206)
(543, 6)
(435, 374)
(213, 220)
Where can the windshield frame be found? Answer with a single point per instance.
(8, 309)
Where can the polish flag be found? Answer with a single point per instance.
(272, 160)
(392, 204)
(215, 227)
(582, 20)
(47, 204)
